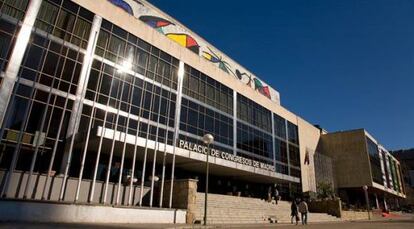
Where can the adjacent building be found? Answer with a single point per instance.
(359, 160)
(406, 158)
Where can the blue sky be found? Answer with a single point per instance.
(340, 64)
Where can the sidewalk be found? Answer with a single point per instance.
(405, 221)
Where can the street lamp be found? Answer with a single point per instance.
(207, 139)
(366, 199)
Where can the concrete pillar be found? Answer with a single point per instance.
(16, 57)
(181, 75)
(84, 77)
(273, 140)
(234, 122)
(287, 147)
(184, 196)
(75, 116)
(376, 201)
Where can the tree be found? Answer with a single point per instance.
(324, 190)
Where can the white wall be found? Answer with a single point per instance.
(70, 213)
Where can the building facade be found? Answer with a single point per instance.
(359, 160)
(104, 101)
(406, 157)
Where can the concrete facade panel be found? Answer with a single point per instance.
(350, 159)
(308, 138)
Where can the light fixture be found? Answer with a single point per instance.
(208, 139)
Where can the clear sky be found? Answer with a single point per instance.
(342, 64)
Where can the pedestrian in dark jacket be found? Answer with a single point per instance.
(294, 212)
(276, 194)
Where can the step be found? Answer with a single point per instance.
(223, 209)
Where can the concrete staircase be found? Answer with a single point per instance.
(223, 209)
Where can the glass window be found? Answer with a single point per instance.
(65, 20)
(64, 25)
(253, 113)
(206, 90)
(199, 120)
(254, 141)
(8, 33)
(375, 161)
(17, 112)
(281, 168)
(389, 167)
(399, 175)
(293, 135)
(281, 151)
(14, 8)
(50, 64)
(395, 175)
(32, 59)
(117, 45)
(35, 117)
(279, 126)
(294, 155)
(47, 16)
(386, 169)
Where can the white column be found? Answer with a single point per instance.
(234, 122)
(287, 145)
(81, 89)
(84, 77)
(273, 140)
(181, 72)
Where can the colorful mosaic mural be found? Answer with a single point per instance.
(185, 40)
(184, 37)
(123, 5)
(156, 22)
(215, 58)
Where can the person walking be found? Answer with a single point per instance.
(303, 209)
(294, 212)
(276, 194)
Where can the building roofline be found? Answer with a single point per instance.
(226, 57)
(346, 131)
